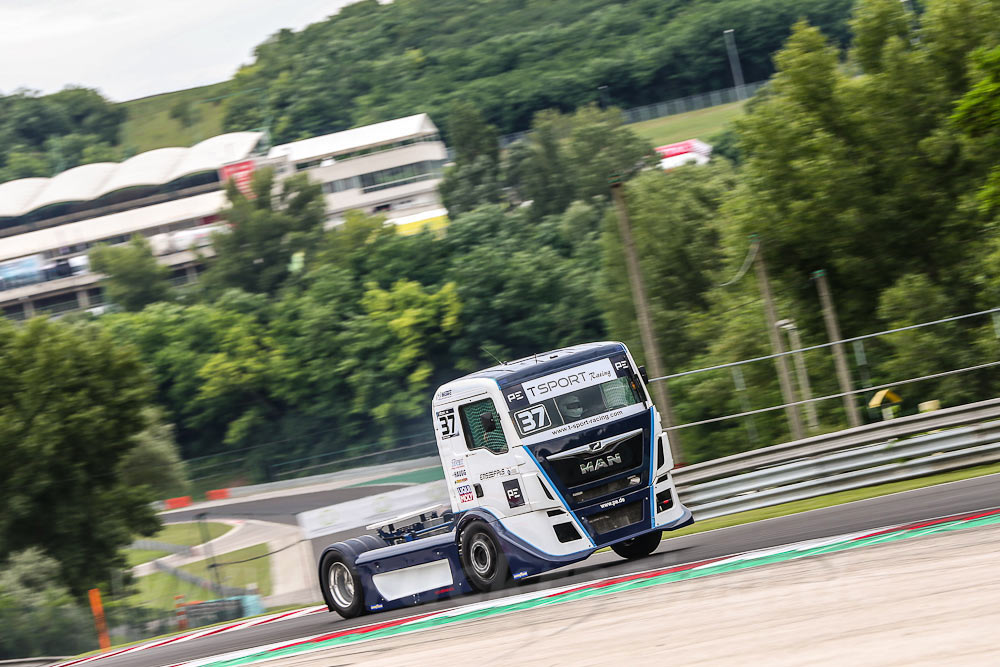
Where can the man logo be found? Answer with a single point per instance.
(604, 462)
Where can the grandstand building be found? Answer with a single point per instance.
(172, 196)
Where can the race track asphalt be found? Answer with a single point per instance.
(952, 498)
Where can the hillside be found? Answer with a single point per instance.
(148, 123)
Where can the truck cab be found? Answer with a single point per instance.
(546, 459)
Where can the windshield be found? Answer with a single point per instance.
(579, 404)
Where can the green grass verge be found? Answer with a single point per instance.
(189, 534)
(157, 591)
(700, 124)
(256, 569)
(150, 126)
(834, 499)
(140, 556)
(413, 477)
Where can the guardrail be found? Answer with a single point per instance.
(842, 461)
(830, 443)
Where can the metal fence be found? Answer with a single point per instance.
(691, 103)
(669, 107)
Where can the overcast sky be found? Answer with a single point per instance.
(134, 48)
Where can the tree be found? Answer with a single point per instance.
(913, 299)
(861, 175)
(184, 113)
(475, 177)
(212, 366)
(71, 406)
(264, 232)
(134, 278)
(674, 224)
(37, 612)
(155, 460)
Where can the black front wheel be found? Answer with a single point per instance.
(640, 546)
(483, 561)
(341, 584)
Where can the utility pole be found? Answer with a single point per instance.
(205, 539)
(801, 372)
(839, 360)
(784, 380)
(661, 393)
(734, 64)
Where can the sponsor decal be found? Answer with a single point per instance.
(612, 503)
(457, 463)
(520, 575)
(465, 494)
(599, 463)
(446, 423)
(376, 607)
(499, 472)
(590, 421)
(461, 480)
(458, 472)
(563, 382)
(444, 394)
(512, 489)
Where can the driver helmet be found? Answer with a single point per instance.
(571, 406)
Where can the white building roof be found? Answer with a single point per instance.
(157, 167)
(115, 224)
(149, 168)
(356, 139)
(76, 184)
(215, 152)
(15, 195)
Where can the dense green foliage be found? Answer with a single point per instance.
(41, 135)
(320, 345)
(71, 405)
(509, 58)
(876, 163)
(38, 614)
(135, 279)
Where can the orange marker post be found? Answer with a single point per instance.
(98, 610)
(182, 621)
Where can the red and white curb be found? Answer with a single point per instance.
(201, 632)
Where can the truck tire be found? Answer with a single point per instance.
(640, 546)
(338, 576)
(483, 560)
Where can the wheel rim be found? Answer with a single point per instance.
(341, 585)
(482, 556)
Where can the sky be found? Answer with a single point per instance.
(134, 48)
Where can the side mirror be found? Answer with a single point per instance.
(642, 374)
(489, 424)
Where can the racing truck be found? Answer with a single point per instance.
(546, 460)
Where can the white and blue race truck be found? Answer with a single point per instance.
(546, 460)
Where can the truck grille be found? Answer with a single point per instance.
(613, 519)
(594, 466)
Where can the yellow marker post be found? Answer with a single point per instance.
(888, 400)
(98, 610)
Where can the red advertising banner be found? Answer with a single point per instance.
(240, 173)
